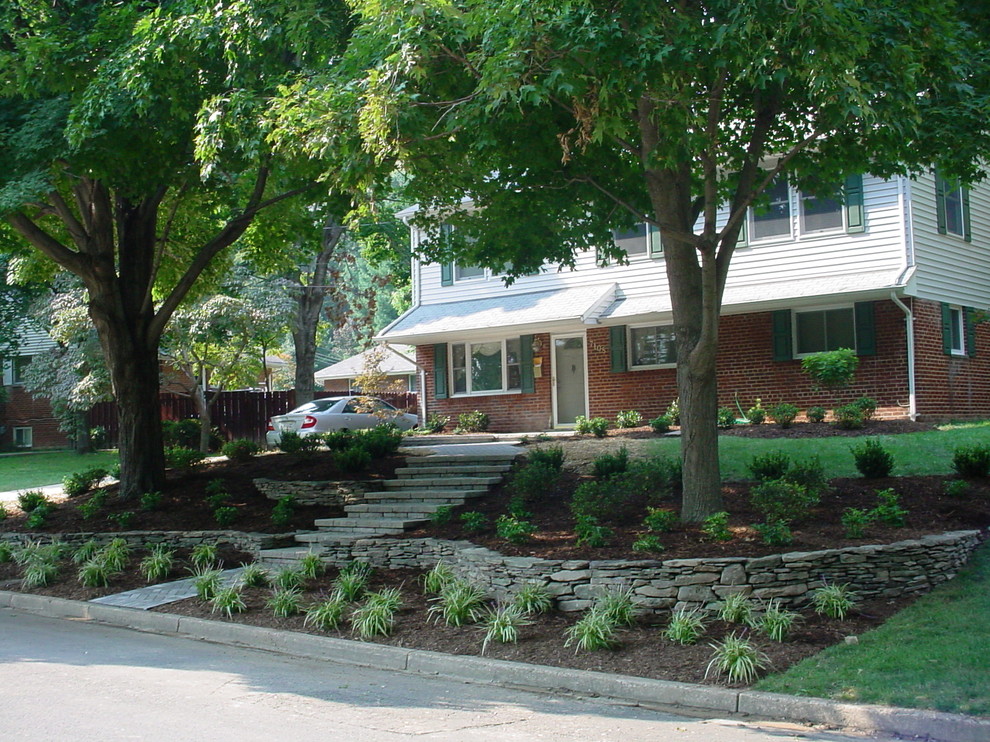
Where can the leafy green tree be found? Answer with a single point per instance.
(563, 121)
(134, 138)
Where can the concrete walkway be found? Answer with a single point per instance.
(51, 491)
(145, 598)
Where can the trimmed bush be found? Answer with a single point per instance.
(291, 442)
(240, 450)
(848, 417)
(180, 457)
(514, 530)
(756, 414)
(591, 533)
(552, 456)
(873, 460)
(661, 424)
(609, 464)
(596, 426)
(380, 441)
(353, 460)
(283, 511)
(770, 465)
(628, 419)
(867, 406)
(475, 421)
(726, 417)
(783, 414)
(436, 423)
(184, 433)
(28, 502)
(971, 462)
(82, 482)
(781, 500)
(534, 481)
(659, 520)
(815, 414)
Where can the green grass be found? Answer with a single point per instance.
(22, 471)
(931, 655)
(914, 453)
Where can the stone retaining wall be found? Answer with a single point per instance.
(317, 493)
(252, 542)
(889, 570)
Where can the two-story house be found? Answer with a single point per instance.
(27, 421)
(897, 270)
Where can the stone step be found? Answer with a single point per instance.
(369, 523)
(417, 441)
(431, 495)
(462, 460)
(441, 483)
(419, 472)
(284, 556)
(407, 509)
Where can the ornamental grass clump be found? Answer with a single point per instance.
(618, 604)
(311, 566)
(326, 615)
(776, 622)
(736, 608)
(86, 551)
(533, 598)
(95, 572)
(377, 616)
(458, 603)
(437, 578)
(285, 602)
(157, 563)
(595, 630)
(502, 623)
(686, 626)
(834, 601)
(254, 575)
(350, 586)
(737, 659)
(228, 600)
(116, 554)
(289, 578)
(206, 582)
(203, 556)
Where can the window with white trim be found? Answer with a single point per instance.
(643, 240)
(18, 367)
(488, 367)
(819, 214)
(652, 346)
(956, 339)
(772, 219)
(824, 329)
(468, 272)
(23, 437)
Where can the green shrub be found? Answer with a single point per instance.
(726, 417)
(774, 532)
(282, 512)
(649, 542)
(831, 369)
(183, 433)
(872, 460)
(180, 457)
(217, 500)
(655, 478)
(591, 533)
(770, 465)
(810, 474)
(783, 414)
(6, 553)
(598, 499)
(475, 421)
(241, 449)
(29, 501)
(607, 464)
(552, 456)
(855, 522)
(660, 520)
(716, 527)
(225, 515)
(352, 460)
(737, 659)
(474, 522)
(661, 424)
(971, 462)
(756, 414)
(81, 482)
(338, 440)
(514, 530)
(442, 515)
(834, 601)
(781, 500)
(534, 481)
(685, 627)
(956, 488)
(848, 417)
(380, 441)
(888, 510)
(123, 519)
(815, 414)
(596, 426)
(38, 517)
(3, 511)
(436, 423)
(867, 406)
(628, 419)
(151, 501)
(290, 441)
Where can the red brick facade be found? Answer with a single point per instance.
(24, 411)
(947, 386)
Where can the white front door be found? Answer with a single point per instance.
(570, 387)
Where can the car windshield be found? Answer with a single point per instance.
(317, 405)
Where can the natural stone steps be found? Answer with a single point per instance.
(438, 496)
(460, 460)
(366, 523)
(453, 482)
(474, 470)
(397, 509)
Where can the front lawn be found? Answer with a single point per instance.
(23, 471)
(933, 654)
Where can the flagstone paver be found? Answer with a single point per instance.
(153, 596)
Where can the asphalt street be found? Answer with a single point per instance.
(75, 680)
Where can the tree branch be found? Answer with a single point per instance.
(39, 238)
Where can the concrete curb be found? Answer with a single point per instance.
(692, 699)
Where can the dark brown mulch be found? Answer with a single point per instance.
(642, 652)
(184, 505)
(827, 430)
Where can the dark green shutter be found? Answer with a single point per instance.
(617, 345)
(967, 227)
(440, 371)
(527, 384)
(940, 186)
(446, 274)
(866, 331)
(970, 331)
(946, 329)
(656, 246)
(855, 213)
(782, 338)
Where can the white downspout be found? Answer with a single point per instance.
(909, 331)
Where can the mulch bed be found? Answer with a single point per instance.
(184, 505)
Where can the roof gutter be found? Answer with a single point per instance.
(909, 332)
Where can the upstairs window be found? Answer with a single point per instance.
(952, 208)
(820, 214)
(773, 219)
(18, 367)
(468, 272)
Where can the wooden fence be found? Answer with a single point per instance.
(235, 414)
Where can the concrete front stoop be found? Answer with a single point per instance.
(425, 484)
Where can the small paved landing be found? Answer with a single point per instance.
(474, 450)
(153, 596)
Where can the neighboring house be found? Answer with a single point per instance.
(397, 363)
(896, 272)
(26, 421)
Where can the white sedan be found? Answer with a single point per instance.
(337, 413)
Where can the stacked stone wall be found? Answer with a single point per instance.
(250, 542)
(317, 493)
(872, 571)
